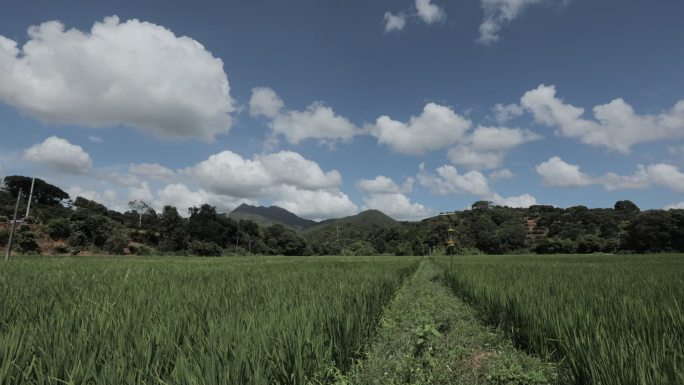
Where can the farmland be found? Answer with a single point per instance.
(610, 319)
(188, 320)
(361, 320)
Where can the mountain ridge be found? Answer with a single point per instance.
(270, 215)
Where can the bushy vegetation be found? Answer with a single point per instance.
(4, 237)
(485, 228)
(205, 248)
(610, 319)
(189, 321)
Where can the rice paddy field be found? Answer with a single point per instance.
(308, 320)
(609, 319)
(189, 320)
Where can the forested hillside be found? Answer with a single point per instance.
(60, 224)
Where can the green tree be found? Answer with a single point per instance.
(291, 243)
(652, 231)
(590, 244)
(26, 241)
(626, 207)
(43, 192)
(481, 206)
(205, 224)
(83, 204)
(116, 242)
(172, 229)
(59, 228)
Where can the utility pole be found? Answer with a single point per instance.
(28, 207)
(450, 242)
(14, 224)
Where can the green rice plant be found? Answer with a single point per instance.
(179, 321)
(609, 319)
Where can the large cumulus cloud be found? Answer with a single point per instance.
(133, 73)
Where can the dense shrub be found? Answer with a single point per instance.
(77, 239)
(4, 237)
(140, 249)
(60, 248)
(590, 244)
(116, 243)
(59, 228)
(205, 248)
(556, 245)
(26, 241)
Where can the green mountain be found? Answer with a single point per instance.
(366, 233)
(267, 216)
(356, 226)
(368, 218)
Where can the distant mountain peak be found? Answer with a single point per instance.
(270, 215)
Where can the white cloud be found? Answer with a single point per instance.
(387, 196)
(394, 22)
(318, 121)
(429, 13)
(524, 200)
(612, 181)
(666, 175)
(265, 102)
(448, 181)
(316, 205)
(95, 139)
(397, 206)
(151, 170)
(501, 175)
(499, 138)
(676, 206)
(504, 113)
(435, 128)
(556, 172)
(60, 155)
(425, 11)
(384, 185)
(108, 197)
(133, 73)
(617, 127)
(498, 13)
(473, 159)
(141, 193)
(126, 180)
(228, 173)
(487, 146)
(291, 168)
(182, 197)
(226, 180)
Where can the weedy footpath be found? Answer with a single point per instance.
(429, 336)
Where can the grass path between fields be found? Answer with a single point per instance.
(427, 335)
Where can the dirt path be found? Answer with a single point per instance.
(429, 336)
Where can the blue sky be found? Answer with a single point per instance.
(327, 107)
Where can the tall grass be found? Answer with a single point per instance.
(188, 321)
(612, 320)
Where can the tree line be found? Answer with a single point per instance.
(59, 224)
